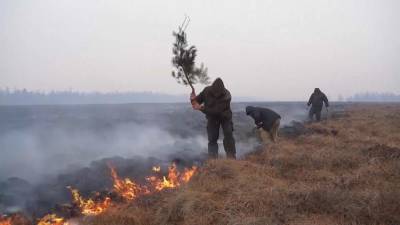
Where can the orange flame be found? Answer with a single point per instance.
(52, 219)
(89, 206)
(174, 178)
(188, 174)
(130, 190)
(127, 188)
(5, 221)
(171, 181)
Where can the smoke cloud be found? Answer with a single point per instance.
(46, 148)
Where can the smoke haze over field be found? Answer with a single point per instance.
(272, 50)
(46, 148)
(46, 140)
(31, 153)
(39, 140)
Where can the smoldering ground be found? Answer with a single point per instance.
(46, 148)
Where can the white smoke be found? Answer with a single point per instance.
(31, 154)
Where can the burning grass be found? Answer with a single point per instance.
(90, 207)
(14, 219)
(52, 219)
(5, 220)
(125, 189)
(344, 171)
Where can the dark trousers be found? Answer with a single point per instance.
(213, 126)
(316, 111)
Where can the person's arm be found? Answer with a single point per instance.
(257, 118)
(197, 101)
(325, 99)
(310, 100)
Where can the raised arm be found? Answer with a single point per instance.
(197, 101)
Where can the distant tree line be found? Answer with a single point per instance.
(26, 97)
(374, 97)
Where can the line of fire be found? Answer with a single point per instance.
(123, 190)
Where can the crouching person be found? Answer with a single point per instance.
(215, 102)
(267, 122)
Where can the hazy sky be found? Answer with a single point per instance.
(274, 50)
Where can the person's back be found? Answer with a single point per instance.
(265, 119)
(216, 99)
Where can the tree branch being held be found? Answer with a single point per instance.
(185, 71)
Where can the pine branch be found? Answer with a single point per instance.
(185, 70)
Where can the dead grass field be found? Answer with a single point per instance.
(345, 171)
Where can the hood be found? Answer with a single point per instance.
(249, 110)
(218, 88)
(317, 91)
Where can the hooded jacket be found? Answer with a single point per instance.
(217, 101)
(262, 115)
(317, 99)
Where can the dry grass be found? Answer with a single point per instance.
(345, 172)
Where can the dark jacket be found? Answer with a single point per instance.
(262, 115)
(217, 101)
(317, 99)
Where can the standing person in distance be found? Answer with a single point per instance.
(317, 99)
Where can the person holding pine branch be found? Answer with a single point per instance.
(215, 102)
